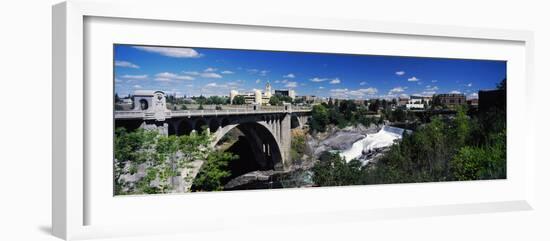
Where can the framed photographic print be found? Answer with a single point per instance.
(168, 123)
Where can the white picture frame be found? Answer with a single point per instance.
(72, 193)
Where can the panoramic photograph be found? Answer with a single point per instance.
(191, 119)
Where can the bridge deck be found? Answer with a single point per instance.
(201, 113)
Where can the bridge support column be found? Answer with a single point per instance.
(278, 129)
(285, 139)
(162, 127)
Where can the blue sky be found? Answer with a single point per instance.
(206, 71)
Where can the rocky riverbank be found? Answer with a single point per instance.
(297, 177)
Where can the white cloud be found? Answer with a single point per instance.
(207, 73)
(321, 87)
(473, 96)
(455, 92)
(215, 85)
(227, 72)
(257, 71)
(335, 81)
(413, 79)
(117, 80)
(258, 81)
(396, 90)
(211, 75)
(434, 81)
(127, 76)
(290, 75)
(369, 91)
(168, 77)
(346, 93)
(429, 90)
(363, 83)
(401, 72)
(316, 79)
(284, 81)
(339, 93)
(469, 85)
(126, 64)
(291, 84)
(355, 94)
(137, 87)
(191, 72)
(171, 52)
(432, 88)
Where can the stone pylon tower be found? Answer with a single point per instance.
(267, 90)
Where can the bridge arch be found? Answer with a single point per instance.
(200, 124)
(185, 127)
(225, 122)
(214, 124)
(295, 122)
(266, 150)
(172, 129)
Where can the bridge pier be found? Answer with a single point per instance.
(285, 139)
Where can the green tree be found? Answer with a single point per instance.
(319, 118)
(374, 105)
(214, 171)
(215, 100)
(161, 156)
(274, 100)
(348, 108)
(398, 115)
(484, 162)
(239, 100)
(297, 146)
(461, 126)
(117, 99)
(332, 170)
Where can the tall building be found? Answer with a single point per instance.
(255, 97)
(268, 90)
(289, 93)
(451, 100)
(492, 99)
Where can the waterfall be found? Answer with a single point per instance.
(383, 138)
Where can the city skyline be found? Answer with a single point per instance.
(206, 71)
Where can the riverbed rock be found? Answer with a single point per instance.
(338, 138)
(248, 178)
(342, 140)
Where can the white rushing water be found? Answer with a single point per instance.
(382, 138)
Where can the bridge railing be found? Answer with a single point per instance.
(226, 111)
(129, 114)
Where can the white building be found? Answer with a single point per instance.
(256, 97)
(418, 102)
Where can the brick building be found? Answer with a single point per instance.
(450, 100)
